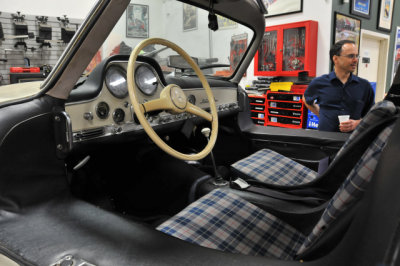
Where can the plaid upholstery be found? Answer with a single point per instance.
(226, 222)
(273, 168)
(351, 189)
(379, 111)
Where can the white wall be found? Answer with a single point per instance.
(318, 10)
(170, 13)
(72, 8)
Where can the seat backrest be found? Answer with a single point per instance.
(351, 190)
(394, 91)
(379, 111)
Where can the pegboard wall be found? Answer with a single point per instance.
(31, 51)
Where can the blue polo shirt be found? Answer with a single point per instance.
(354, 98)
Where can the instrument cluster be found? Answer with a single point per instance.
(111, 111)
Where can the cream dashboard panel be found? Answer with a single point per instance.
(84, 114)
(108, 115)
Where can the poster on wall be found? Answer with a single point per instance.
(137, 21)
(189, 17)
(238, 48)
(385, 15)
(225, 23)
(95, 61)
(361, 8)
(282, 7)
(396, 57)
(347, 28)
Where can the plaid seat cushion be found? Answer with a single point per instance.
(224, 221)
(352, 188)
(273, 168)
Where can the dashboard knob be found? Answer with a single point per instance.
(192, 99)
(88, 116)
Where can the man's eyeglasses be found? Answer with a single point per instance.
(351, 56)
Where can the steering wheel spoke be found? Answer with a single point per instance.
(193, 109)
(157, 104)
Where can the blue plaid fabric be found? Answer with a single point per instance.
(352, 188)
(379, 111)
(226, 222)
(273, 168)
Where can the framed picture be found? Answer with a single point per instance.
(189, 17)
(347, 28)
(385, 15)
(361, 8)
(282, 7)
(225, 23)
(396, 56)
(238, 48)
(137, 21)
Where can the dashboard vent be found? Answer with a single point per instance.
(89, 134)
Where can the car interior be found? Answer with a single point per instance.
(151, 158)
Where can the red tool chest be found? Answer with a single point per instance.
(257, 107)
(281, 109)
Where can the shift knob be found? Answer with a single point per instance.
(206, 132)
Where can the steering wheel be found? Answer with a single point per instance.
(172, 99)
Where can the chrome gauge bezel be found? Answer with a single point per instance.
(117, 89)
(144, 87)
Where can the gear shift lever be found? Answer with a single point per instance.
(218, 180)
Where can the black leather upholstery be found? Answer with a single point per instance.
(30, 171)
(45, 233)
(41, 222)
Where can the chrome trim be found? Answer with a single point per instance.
(157, 120)
(68, 126)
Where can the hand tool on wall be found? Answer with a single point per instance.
(67, 32)
(45, 32)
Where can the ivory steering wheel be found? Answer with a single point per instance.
(172, 99)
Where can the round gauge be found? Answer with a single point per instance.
(116, 82)
(146, 80)
(118, 115)
(102, 110)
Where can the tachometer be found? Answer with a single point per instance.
(146, 80)
(116, 81)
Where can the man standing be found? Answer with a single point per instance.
(340, 92)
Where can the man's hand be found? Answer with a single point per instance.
(349, 125)
(313, 108)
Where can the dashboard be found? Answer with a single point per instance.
(100, 107)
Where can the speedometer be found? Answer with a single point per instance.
(116, 81)
(146, 80)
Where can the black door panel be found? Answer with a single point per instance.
(303, 145)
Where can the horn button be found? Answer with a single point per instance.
(178, 97)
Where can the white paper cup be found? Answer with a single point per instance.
(343, 118)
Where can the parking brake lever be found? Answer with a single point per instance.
(218, 180)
